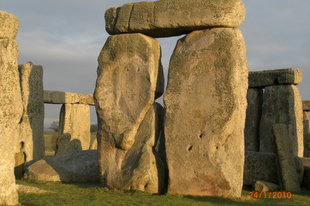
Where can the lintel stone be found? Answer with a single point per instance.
(275, 77)
(8, 25)
(56, 97)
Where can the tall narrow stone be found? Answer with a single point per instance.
(205, 113)
(31, 127)
(253, 116)
(306, 133)
(75, 120)
(128, 81)
(11, 108)
(282, 105)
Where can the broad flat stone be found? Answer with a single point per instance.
(287, 173)
(28, 189)
(275, 77)
(31, 127)
(56, 97)
(167, 18)
(262, 186)
(252, 121)
(11, 110)
(282, 105)
(8, 25)
(262, 166)
(75, 120)
(205, 113)
(79, 166)
(128, 82)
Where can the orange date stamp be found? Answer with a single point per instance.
(270, 195)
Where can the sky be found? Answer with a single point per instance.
(66, 37)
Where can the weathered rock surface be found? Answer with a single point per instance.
(63, 144)
(94, 144)
(11, 108)
(8, 25)
(252, 121)
(56, 97)
(75, 120)
(287, 173)
(275, 77)
(32, 124)
(262, 166)
(306, 177)
(165, 18)
(28, 189)
(262, 186)
(306, 105)
(306, 133)
(205, 113)
(80, 166)
(128, 83)
(282, 105)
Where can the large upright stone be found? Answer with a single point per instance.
(75, 120)
(287, 173)
(166, 18)
(31, 127)
(275, 77)
(252, 121)
(128, 78)
(205, 113)
(11, 108)
(8, 25)
(306, 133)
(282, 105)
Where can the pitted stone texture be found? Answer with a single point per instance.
(56, 97)
(127, 85)
(262, 186)
(205, 113)
(287, 173)
(275, 77)
(252, 121)
(306, 105)
(165, 18)
(262, 166)
(282, 105)
(79, 166)
(31, 127)
(8, 25)
(11, 110)
(75, 120)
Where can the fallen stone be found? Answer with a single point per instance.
(11, 108)
(75, 120)
(282, 105)
(28, 189)
(205, 113)
(56, 97)
(252, 121)
(262, 166)
(127, 85)
(32, 124)
(262, 186)
(275, 77)
(167, 18)
(306, 105)
(80, 166)
(287, 173)
(8, 25)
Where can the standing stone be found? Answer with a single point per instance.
(126, 87)
(31, 127)
(253, 116)
(287, 173)
(11, 108)
(282, 105)
(306, 133)
(63, 144)
(205, 113)
(75, 120)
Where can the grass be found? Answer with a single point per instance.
(94, 194)
(48, 147)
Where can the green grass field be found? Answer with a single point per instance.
(94, 194)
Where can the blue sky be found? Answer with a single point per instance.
(66, 36)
